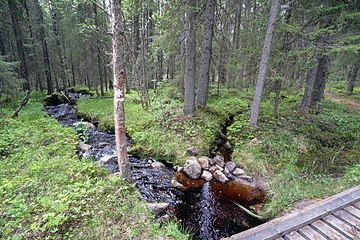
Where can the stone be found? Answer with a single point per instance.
(89, 125)
(246, 177)
(230, 176)
(204, 162)
(99, 163)
(206, 175)
(212, 161)
(254, 141)
(192, 168)
(212, 169)
(192, 151)
(219, 168)
(179, 169)
(219, 160)
(84, 147)
(106, 158)
(157, 165)
(218, 175)
(238, 172)
(104, 144)
(231, 166)
(158, 208)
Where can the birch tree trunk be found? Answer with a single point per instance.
(189, 101)
(118, 84)
(263, 64)
(203, 85)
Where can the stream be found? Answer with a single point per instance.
(206, 211)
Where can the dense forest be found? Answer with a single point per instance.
(271, 85)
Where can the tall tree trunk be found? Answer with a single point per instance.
(118, 40)
(320, 81)
(46, 60)
(263, 64)
(2, 46)
(24, 73)
(352, 78)
(98, 50)
(309, 86)
(285, 49)
(244, 40)
(203, 84)
(189, 101)
(59, 49)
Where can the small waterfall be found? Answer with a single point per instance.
(207, 213)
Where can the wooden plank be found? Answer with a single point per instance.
(311, 233)
(327, 230)
(294, 236)
(341, 226)
(357, 204)
(353, 210)
(288, 223)
(347, 217)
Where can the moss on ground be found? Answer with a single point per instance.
(47, 192)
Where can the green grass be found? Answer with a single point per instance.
(161, 130)
(46, 192)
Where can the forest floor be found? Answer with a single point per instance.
(46, 191)
(352, 104)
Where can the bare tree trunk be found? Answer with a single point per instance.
(352, 78)
(46, 61)
(320, 81)
(119, 80)
(189, 101)
(309, 86)
(263, 64)
(19, 44)
(203, 85)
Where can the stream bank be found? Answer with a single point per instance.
(205, 210)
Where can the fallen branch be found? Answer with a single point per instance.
(248, 211)
(24, 101)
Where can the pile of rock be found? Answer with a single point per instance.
(212, 168)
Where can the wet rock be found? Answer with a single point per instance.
(192, 168)
(158, 165)
(218, 175)
(204, 162)
(179, 169)
(106, 158)
(238, 172)
(219, 160)
(192, 151)
(157, 208)
(206, 175)
(231, 166)
(84, 147)
(99, 163)
(90, 126)
(104, 144)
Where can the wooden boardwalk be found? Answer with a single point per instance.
(337, 217)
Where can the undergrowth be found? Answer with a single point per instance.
(46, 192)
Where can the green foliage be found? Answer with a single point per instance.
(46, 192)
(9, 79)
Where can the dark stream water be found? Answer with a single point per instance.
(205, 211)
